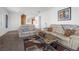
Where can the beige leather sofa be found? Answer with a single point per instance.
(72, 41)
(27, 30)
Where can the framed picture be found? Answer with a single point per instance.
(64, 14)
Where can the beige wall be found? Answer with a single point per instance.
(52, 16)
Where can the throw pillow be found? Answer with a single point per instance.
(69, 32)
(50, 29)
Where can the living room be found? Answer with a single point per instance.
(47, 16)
(61, 20)
(39, 29)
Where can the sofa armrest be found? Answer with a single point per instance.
(74, 42)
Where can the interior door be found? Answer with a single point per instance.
(23, 19)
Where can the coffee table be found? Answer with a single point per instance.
(47, 38)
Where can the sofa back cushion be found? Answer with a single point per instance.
(31, 27)
(57, 28)
(77, 31)
(25, 29)
(70, 26)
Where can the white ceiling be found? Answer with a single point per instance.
(28, 10)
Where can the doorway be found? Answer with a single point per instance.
(23, 19)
